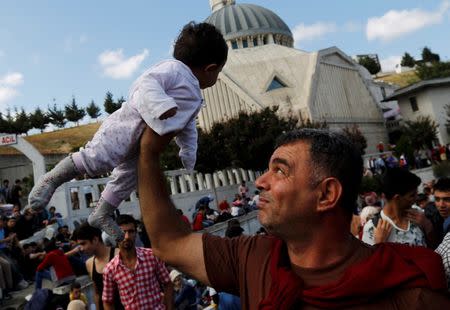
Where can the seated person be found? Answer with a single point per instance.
(56, 259)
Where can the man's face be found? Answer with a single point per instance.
(16, 211)
(130, 235)
(442, 201)
(287, 199)
(177, 283)
(407, 200)
(76, 292)
(11, 223)
(87, 246)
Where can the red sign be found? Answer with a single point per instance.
(8, 139)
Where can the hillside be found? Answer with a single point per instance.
(61, 141)
(400, 79)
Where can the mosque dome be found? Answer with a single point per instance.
(247, 25)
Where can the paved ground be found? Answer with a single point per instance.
(19, 296)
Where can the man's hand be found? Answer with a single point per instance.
(153, 143)
(420, 219)
(382, 231)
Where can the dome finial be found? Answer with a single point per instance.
(218, 4)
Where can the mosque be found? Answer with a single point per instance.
(264, 69)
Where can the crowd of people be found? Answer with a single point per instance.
(399, 214)
(205, 216)
(421, 158)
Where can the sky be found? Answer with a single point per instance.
(52, 51)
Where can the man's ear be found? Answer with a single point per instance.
(330, 191)
(210, 67)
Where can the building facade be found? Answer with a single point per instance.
(264, 69)
(426, 98)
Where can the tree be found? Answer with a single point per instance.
(4, 126)
(93, 110)
(110, 105)
(10, 122)
(39, 119)
(57, 116)
(120, 101)
(429, 56)
(22, 123)
(355, 134)
(408, 61)
(371, 65)
(434, 71)
(73, 113)
(245, 141)
(421, 132)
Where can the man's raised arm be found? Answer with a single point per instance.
(172, 241)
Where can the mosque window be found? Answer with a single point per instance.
(275, 84)
(234, 45)
(255, 42)
(244, 43)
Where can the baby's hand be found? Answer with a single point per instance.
(168, 113)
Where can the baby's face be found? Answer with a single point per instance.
(208, 76)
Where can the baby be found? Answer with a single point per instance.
(167, 98)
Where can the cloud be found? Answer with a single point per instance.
(116, 66)
(388, 64)
(395, 24)
(7, 94)
(304, 32)
(8, 84)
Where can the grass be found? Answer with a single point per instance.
(61, 141)
(401, 79)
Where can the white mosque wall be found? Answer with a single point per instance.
(342, 100)
(75, 200)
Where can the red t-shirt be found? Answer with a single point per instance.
(59, 261)
(241, 266)
(198, 222)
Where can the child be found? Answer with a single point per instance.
(167, 98)
(76, 294)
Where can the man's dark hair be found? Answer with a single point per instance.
(75, 285)
(421, 198)
(50, 245)
(234, 231)
(398, 181)
(124, 219)
(332, 154)
(87, 232)
(200, 44)
(443, 185)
